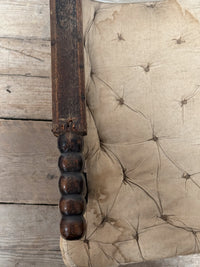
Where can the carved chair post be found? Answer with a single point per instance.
(69, 114)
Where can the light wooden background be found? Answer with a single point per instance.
(29, 216)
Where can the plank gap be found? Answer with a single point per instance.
(24, 119)
(28, 204)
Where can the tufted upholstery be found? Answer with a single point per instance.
(143, 145)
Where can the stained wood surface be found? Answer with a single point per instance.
(25, 84)
(68, 78)
(29, 236)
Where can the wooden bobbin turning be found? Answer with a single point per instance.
(72, 186)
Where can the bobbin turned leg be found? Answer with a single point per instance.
(72, 186)
(69, 111)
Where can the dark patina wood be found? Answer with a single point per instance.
(72, 205)
(67, 67)
(72, 186)
(69, 112)
(72, 183)
(72, 227)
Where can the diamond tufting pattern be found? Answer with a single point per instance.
(143, 145)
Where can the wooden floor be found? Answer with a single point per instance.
(29, 216)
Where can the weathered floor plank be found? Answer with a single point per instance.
(25, 18)
(28, 162)
(25, 97)
(25, 84)
(25, 67)
(29, 236)
(28, 259)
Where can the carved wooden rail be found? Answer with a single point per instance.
(69, 115)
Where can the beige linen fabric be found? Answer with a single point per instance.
(143, 145)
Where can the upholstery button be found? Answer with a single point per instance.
(186, 175)
(179, 41)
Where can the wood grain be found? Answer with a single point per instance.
(29, 236)
(28, 162)
(68, 79)
(25, 85)
(25, 18)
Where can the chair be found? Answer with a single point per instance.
(142, 148)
